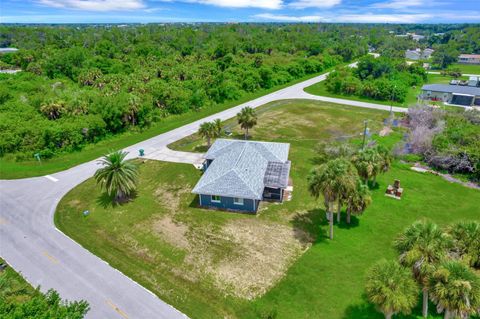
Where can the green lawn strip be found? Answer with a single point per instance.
(411, 99)
(466, 68)
(10, 169)
(13, 287)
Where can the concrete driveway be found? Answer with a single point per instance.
(32, 245)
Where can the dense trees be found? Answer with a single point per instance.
(80, 85)
(440, 260)
(118, 177)
(377, 78)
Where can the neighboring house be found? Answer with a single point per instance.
(416, 37)
(418, 54)
(469, 58)
(8, 50)
(466, 96)
(239, 174)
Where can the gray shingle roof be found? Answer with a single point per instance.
(458, 89)
(238, 168)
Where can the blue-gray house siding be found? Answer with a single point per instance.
(249, 205)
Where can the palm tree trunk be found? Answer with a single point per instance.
(339, 210)
(331, 224)
(447, 314)
(208, 141)
(348, 215)
(425, 303)
(388, 315)
(246, 133)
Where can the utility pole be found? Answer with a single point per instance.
(364, 133)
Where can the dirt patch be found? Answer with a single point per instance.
(170, 231)
(170, 197)
(266, 252)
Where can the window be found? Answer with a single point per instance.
(215, 199)
(238, 201)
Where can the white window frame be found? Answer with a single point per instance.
(215, 200)
(238, 201)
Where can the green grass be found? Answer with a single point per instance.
(13, 288)
(466, 68)
(411, 98)
(11, 169)
(325, 281)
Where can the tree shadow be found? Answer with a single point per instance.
(354, 222)
(200, 148)
(307, 226)
(365, 310)
(106, 200)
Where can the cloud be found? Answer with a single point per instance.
(399, 4)
(95, 5)
(302, 4)
(353, 18)
(262, 4)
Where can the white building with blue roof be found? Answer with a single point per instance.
(239, 174)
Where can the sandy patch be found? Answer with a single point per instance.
(170, 197)
(170, 231)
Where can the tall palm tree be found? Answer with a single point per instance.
(422, 246)
(331, 180)
(455, 288)
(118, 177)
(391, 288)
(206, 131)
(358, 200)
(247, 118)
(466, 242)
(217, 125)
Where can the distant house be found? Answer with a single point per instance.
(466, 96)
(418, 54)
(239, 174)
(469, 58)
(416, 37)
(8, 50)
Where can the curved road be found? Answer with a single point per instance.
(32, 245)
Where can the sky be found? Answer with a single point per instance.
(158, 11)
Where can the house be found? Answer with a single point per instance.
(469, 58)
(418, 54)
(239, 174)
(416, 37)
(466, 96)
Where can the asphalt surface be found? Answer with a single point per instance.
(32, 245)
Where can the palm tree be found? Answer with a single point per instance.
(368, 163)
(391, 288)
(455, 289)
(422, 246)
(206, 131)
(358, 201)
(118, 177)
(247, 118)
(466, 242)
(217, 125)
(331, 180)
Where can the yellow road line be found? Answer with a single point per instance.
(114, 307)
(50, 257)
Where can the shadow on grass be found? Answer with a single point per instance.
(200, 148)
(310, 223)
(354, 222)
(106, 200)
(364, 310)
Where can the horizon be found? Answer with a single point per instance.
(239, 11)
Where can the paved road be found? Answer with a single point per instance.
(30, 242)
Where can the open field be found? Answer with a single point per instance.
(411, 99)
(466, 68)
(277, 264)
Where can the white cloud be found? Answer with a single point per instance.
(95, 5)
(353, 18)
(286, 18)
(399, 4)
(302, 4)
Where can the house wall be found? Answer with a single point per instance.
(275, 193)
(433, 95)
(249, 205)
(469, 60)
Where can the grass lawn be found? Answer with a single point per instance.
(13, 288)
(11, 169)
(411, 99)
(276, 264)
(466, 68)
